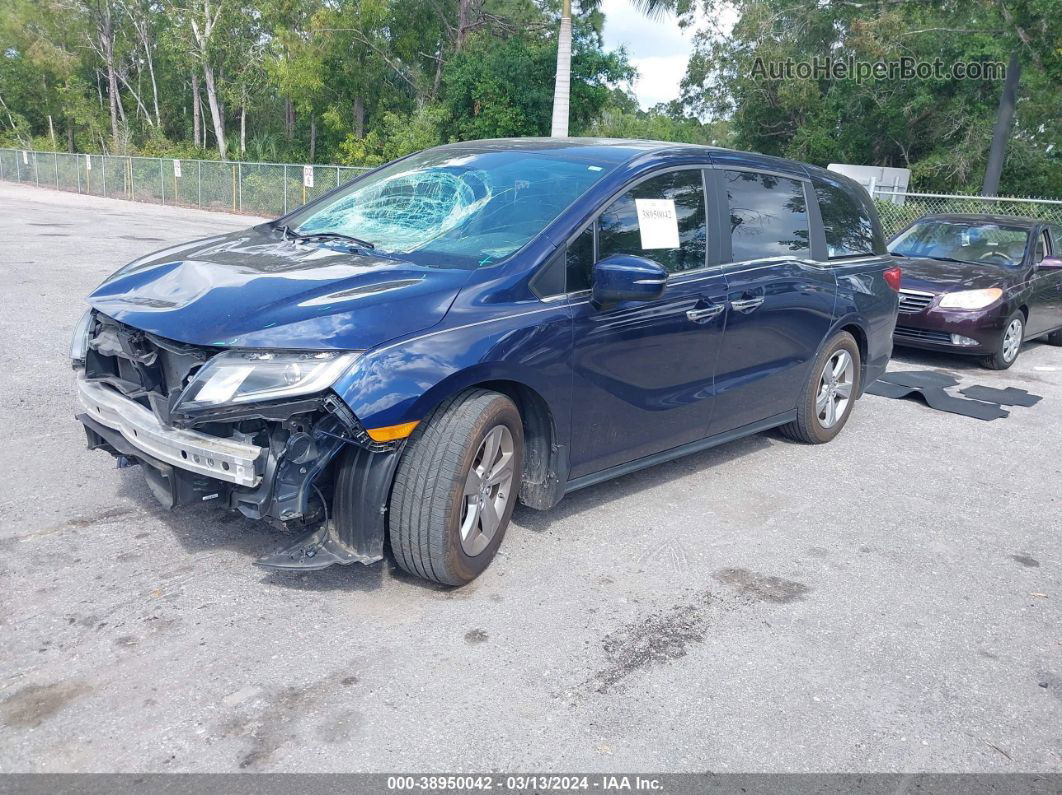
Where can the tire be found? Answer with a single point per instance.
(824, 392)
(437, 531)
(1054, 338)
(1006, 352)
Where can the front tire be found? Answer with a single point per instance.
(456, 486)
(1009, 346)
(829, 393)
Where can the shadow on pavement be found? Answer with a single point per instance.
(593, 497)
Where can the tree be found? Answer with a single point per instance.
(200, 20)
(939, 128)
(101, 37)
(622, 118)
(143, 16)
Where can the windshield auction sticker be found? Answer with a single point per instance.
(658, 223)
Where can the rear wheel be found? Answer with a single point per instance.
(1009, 346)
(829, 392)
(1054, 338)
(456, 487)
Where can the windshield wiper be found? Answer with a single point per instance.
(960, 261)
(939, 259)
(357, 241)
(326, 236)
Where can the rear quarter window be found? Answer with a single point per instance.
(847, 221)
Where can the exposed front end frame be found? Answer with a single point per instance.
(305, 464)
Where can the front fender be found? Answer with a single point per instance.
(402, 382)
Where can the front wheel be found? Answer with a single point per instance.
(828, 395)
(1009, 347)
(456, 486)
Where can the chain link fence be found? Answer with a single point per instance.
(898, 209)
(268, 189)
(272, 189)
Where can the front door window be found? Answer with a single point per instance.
(661, 219)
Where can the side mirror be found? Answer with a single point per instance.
(624, 277)
(1050, 264)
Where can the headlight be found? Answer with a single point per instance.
(79, 343)
(246, 376)
(971, 299)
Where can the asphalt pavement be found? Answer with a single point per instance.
(888, 602)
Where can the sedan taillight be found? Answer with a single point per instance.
(892, 277)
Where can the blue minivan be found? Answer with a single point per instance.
(400, 360)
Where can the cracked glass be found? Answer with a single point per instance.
(456, 208)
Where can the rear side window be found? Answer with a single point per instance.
(847, 222)
(661, 219)
(768, 216)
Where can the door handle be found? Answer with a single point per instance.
(709, 312)
(747, 304)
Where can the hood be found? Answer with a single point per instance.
(936, 276)
(254, 289)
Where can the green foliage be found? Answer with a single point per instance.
(364, 81)
(357, 81)
(621, 118)
(156, 144)
(396, 135)
(941, 129)
(264, 147)
(496, 89)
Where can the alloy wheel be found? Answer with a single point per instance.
(488, 490)
(1012, 340)
(835, 389)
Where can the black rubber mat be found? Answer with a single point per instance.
(919, 378)
(890, 390)
(1011, 396)
(940, 400)
(936, 398)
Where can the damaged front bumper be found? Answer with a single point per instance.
(227, 460)
(317, 471)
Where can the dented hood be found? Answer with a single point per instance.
(255, 289)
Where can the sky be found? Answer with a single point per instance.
(657, 48)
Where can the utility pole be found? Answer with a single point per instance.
(1001, 133)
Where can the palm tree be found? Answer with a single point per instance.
(562, 90)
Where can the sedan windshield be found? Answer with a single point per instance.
(963, 241)
(455, 208)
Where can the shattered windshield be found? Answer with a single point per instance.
(963, 241)
(454, 208)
